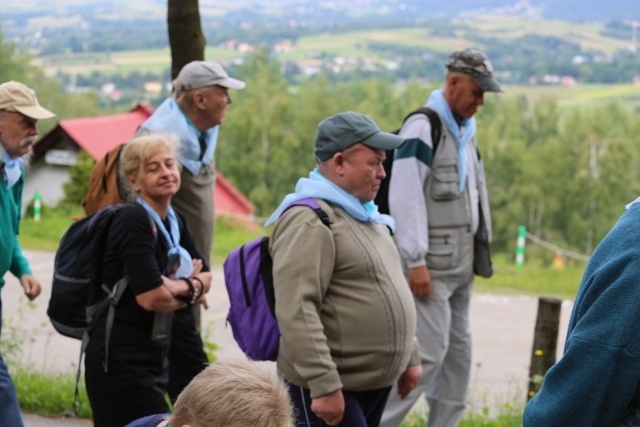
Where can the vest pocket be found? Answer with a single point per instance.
(441, 254)
(445, 183)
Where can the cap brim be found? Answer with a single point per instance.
(35, 112)
(384, 141)
(231, 83)
(488, 84)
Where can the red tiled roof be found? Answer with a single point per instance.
(229, 199)
(98, 135)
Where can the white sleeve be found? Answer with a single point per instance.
(409, 172)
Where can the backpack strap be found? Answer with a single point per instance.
(436, 132)
(315, 206)
(95, 311)
(265, 257)
(434, 119)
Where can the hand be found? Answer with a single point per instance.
(31, 286)
(409, 380)
(420, 281)
(329, 408)
(205, 277)
(203, 301)
(197, 266)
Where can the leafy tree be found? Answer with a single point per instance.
(76, 188)
(258, 148)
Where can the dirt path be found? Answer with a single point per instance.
(502, 330)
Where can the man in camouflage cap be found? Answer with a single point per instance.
(438, 222)
(475, 64)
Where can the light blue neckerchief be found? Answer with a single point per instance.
(319, 187)
(437, 103)
(169, 118)
(185, 269)
(628, 205)
(12, 169)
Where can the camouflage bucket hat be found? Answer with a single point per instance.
(475, 64)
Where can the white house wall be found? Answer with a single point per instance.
(48, 179)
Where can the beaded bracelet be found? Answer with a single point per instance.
(199, 293)
(192, 290)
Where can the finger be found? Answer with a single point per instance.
(203, 301)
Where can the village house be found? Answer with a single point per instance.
(56, 151)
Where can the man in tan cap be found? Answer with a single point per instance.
(19, 112)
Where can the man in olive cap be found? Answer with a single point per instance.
(19, 112)
(344, 309)
(439, 201)
(194, 113)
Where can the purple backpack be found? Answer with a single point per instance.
(249, 281)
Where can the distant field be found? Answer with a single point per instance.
(581, 95)
(152, 60)
(355, 43)
(586, 35)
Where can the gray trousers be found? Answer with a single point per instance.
(195, 201)
(445, 351)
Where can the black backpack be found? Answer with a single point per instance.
(77, 281)
(382, 198)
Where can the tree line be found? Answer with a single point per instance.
(565, 174)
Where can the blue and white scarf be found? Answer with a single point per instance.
(185, 269)
(169, 118)
(319, 187)
(12, 169)
(439, 104)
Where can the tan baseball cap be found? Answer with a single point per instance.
(15, 96)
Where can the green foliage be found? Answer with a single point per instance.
(46, 233)
(563, 173)
(230, 235)
(507, 415)
(38, 391)
(49, 393)
(75, 189)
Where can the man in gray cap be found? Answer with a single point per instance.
(439, 201)
(344, 309)
(194, 112)
(19, 112)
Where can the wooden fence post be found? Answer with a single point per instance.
(545, 342)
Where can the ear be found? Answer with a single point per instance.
(133, 182)
(198, 99)
(338, 160)
(454, 79)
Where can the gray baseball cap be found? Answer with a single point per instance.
(341, 131)
(475, 64)
(197, 74)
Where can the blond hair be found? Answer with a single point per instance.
(138, 151)
(234, 393)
